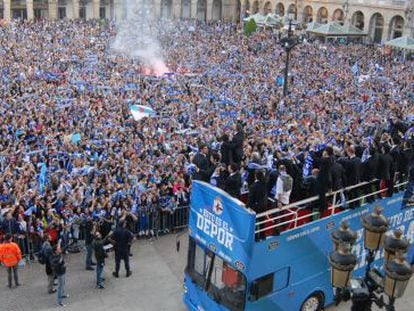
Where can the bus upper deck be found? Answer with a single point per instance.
(229, 269)
(276, 220)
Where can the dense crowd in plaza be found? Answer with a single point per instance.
(71, 153)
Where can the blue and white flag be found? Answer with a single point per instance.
(139, 112)
(355, 69)
(191, 169)
(307, 166)
(30, 210)
(409, 134)
(42, 178)
(366, 154)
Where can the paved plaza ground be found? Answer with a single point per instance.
(155, 285)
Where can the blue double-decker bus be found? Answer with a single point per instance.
(229, 269)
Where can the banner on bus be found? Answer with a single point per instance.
(222, 224)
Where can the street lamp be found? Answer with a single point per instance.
(397, 274)
(343, 235)
(394, 243)
(375, 225)
(342, 263)
(370, 289)
(288, 43)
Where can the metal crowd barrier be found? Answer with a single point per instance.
(151, 225)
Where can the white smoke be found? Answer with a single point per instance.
(137, 37)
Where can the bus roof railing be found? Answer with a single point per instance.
(266, 220)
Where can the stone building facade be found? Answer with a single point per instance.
(381, 19)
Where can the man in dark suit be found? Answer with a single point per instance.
(232, 184)
(257, 193)
(406, 156)
(324, 178)
(258, 197)
(338, 176)
(385, 171)
(236, 144)
(121, 239)
(353, 169)
(225, 150)
(369, 172)
(202, 163)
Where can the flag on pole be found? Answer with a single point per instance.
(139, 112)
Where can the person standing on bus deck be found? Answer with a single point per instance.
(257, 200)
(232, 185)
(408, 199)
(284, 185)
(236, 144)
(204, 168)
(324, 179)
(10, 255)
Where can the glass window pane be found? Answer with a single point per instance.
(199, 260)
(216, 278)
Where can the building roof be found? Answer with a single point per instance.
(405, 42)
(258, 18)
(312, 25)
(351, 30)
(331, 29)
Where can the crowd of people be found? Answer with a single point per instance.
(72, 157)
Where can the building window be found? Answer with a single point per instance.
(82, 12)
(61, 13)
(102, 12)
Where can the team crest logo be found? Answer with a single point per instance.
(217, 206)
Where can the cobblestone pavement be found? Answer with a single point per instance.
(155, 285)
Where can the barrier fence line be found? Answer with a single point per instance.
(152, 224)
(149, 225)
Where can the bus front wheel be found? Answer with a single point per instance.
(314, 302)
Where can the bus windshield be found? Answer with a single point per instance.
(216, 277)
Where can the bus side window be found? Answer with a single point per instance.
(230, 277)
(261, 287)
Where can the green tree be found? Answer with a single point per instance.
(250, 27)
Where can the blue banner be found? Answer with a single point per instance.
(42, 177)
(222, 223)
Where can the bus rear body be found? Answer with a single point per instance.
(228, 270)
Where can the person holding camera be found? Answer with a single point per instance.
(100, 255)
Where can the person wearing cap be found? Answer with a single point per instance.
(10, 255)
